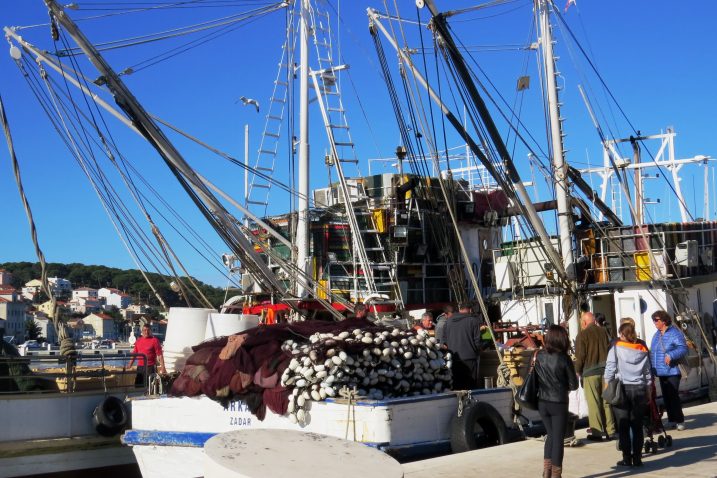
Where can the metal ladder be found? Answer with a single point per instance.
(260, 186)
(616, 196)
(379, 274)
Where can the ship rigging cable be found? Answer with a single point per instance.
(107, 195)
(287, 267)
(164, 249)
(225, 225)
(176, 32)
(67, 346)
(620, 179)
(107, 201)
(612, 97)
(454, 275)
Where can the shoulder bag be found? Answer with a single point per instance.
(614, 394)
(528, 393)
(681, 362)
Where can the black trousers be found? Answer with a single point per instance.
(629, 420)
(465, 373)
(671, 396)
(555, 419)
(143, 373)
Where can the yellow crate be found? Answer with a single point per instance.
(642, 266)
(321, 289)
(379, 219)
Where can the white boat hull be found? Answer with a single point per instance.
(52, 432)
(168, 433)
(69, 455)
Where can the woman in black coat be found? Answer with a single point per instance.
(556, 378)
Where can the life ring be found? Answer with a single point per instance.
(110, 416)
(479, 426)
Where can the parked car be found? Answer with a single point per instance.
(31, 345)
(10, 339)
(105, 344)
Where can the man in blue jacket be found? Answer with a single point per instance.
(668, 346)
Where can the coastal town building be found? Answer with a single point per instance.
(99, 325)
(60, 287)
(114, 297)
(75, 329)
(31, 289)
(47, 329)
(9, 292)
(35, 314)
(12, 314)
(134, 310)
(5, 278)
(85, 305)
(46, 307)
(84, 292)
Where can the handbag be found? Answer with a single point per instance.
(527, 395)
(683, 365)
(681, 362)
(614, 393)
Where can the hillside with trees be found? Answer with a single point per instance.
(129, 281)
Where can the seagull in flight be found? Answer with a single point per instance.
(250, 101)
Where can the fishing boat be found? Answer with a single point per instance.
(406, 241)
(64, 415)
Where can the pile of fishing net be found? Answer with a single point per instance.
(285, 366)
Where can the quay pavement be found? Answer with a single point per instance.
(692, 454)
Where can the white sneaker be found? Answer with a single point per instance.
(680, 426)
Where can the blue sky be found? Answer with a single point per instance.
(655, 57)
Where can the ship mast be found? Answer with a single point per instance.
(559, 166)
(302, 226)
(512, 184)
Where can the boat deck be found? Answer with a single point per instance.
(693, 454)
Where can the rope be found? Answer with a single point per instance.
(463, 396)
(156, 387)
(67, 345)
(350, 395)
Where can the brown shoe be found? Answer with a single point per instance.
(556, 472)
(547, 468)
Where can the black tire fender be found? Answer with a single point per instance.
(480, 426)
(110, 416)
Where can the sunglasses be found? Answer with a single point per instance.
(657, 319)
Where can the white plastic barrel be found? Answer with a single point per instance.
(229, 324)
(185, 329)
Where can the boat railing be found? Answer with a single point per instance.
(523, 264)
(80, 372)
(423, 283)
(657, 252)
(616, 255)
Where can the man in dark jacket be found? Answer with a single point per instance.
(462, 337)
(591, 346)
